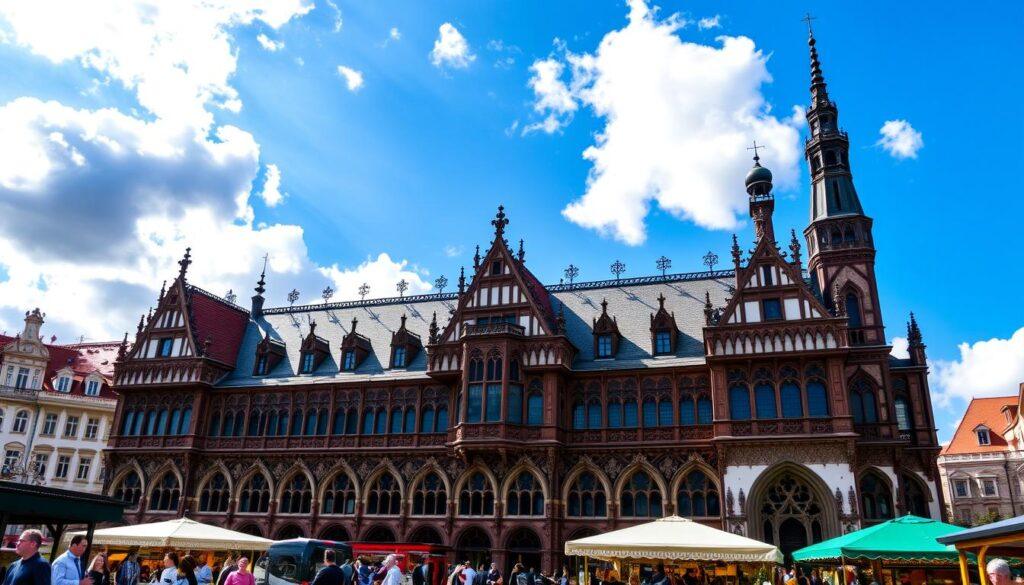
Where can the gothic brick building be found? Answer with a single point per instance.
(511, 416)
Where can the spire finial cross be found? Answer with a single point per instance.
(756, 146)
(808, 19)
(500, 221)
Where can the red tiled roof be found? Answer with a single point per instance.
(84, 359)
(220, 322)
(981, 411)
(540, 293)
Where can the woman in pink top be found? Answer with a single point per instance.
(242, 576)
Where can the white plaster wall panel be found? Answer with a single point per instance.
(792, 308)
(753, 311)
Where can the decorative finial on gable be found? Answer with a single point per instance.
(163, 290)
(184, 263)
(462, 279)
(142, 319)
(794, 247)
(433, 328)
(312, 327)
(403, 321)
(476, 259)
(661, 302)
(737, 255)
(709, 311)
(913, 331)
(499, 222)
(521, 254)
(560, 320)
(263, 276)
(122, 350)
(604, 306)
(355, 322)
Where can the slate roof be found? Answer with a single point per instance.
(631, 301)
(981, 411)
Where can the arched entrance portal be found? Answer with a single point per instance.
(473, 545)
(379, 534)
(792, 508)
(426, 535)
(523, 546)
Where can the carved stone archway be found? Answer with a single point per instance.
(790, 507)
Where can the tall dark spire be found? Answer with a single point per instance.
(257, 299)
(819, 89)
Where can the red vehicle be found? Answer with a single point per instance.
(409, 556)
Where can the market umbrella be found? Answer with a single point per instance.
(907, 538)
(180, 533)
(674, 538)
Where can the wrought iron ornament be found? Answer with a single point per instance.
(617, 268)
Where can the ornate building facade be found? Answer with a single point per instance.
(510, 416)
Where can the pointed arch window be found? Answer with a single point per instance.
(640, 497)
(515, 403)
(476, 498)
(442, 418)
(384, 497)
(587, 498)
(427, 419)
(253, 429)
(340, 496)
(704, 410)
(904, 417)
(579, 416)
(405, 345)
(853, 310)
(606, 334)
(697, 496)
(368, 422)
(475, 402)
(430, 497)
(764, 400)
(269, 353)
(493, 398)
(166, 493)
(875, 498)
(792, 401)
(525, 497)
(863, 405)
(817, 397)
(215, 494)
(254, 498)
(739, 402)
(129, 490)
(297, 496)
(594, 414)
(535, 404)
(397, 421)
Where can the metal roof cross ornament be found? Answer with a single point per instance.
(710, 259)
(663, 264)
(231, 297)
(499, 222)
(756, 146)
(808, 19)
(293, 296)
(184, 262)
(327, 293)
(617, 268)
(440, 283)
(402, 286)
(571, 272)
(364, 289)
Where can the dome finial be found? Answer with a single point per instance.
(759, 179)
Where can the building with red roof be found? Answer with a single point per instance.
(981, 467)
(56, 408)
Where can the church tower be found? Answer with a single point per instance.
(841, 248)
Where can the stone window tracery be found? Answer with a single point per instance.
(640, 497)
(166, 493)
(384, 497)
(875, 498)
(525, 497)
(340, 496)
(430, 497)
(215, 494)
(586, 497)
(697, 496)
(863, 404)
(129, 490)
(296, 497)
(789, 500)
(476, 498)
(255, 495)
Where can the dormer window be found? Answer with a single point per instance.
(348, 360)
(606, 334)
(983, 436)
(269, 353)
(92, 388)
(404, 346)
(354, 349)
(307, 363)
(664, 331)
(64, 384)
(314, 351)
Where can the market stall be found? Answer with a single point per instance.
(897, 551)
(1003, 539)
(679, 546)
(181, 535)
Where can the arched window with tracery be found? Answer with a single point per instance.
(296, 497)
(254, 498)
(476, 498)
(166, 493)
(791, 512)
(852, 305)
(475, 402)
(215, 494)
(253, 429)
(640, 497)
(764, 400)
(535, 404)
(441, 424)
(915, 498)
(430, 497)
(586, 497)
(383, 497)
(791, 399)
(817, 397)
(525, 497)
(340, 496)
(863, 405)
(739, 402)
(697, 496)
(397, 421)
(214, 430)
(129, 490)
(875, 498)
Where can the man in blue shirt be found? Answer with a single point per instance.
(30, 569)
(69, 568)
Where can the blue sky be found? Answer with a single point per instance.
(411, 161)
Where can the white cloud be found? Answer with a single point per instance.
(900, 348)
(452, 251)
(900, 139)
(381, 273)
(338, 22)
(553, 98)
(451, 49)
(710, 22)
(269, 43)
(394, 34)
(353, 78)
(271, 193)
(993, 367)
(678, 117)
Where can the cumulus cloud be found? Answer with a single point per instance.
(993, 367)
(97, 205)
(900, 348)
(451, 48)
(382, 274)
(900, 139)
(269, 43)
(353, 78)
(338, 22)
(709, 22)
(394, 34)
(677, 117)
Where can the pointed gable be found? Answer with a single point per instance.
(664, 331)
(606, 333)
(404, 346)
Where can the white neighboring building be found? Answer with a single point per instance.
(56, 409)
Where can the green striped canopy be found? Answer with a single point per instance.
(908, 538)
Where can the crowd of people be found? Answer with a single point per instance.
(465, 574)
(71, 569)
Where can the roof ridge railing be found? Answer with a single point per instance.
(217, 297)
(561, 287)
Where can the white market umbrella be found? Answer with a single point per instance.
(674, 538)
(180, 533)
